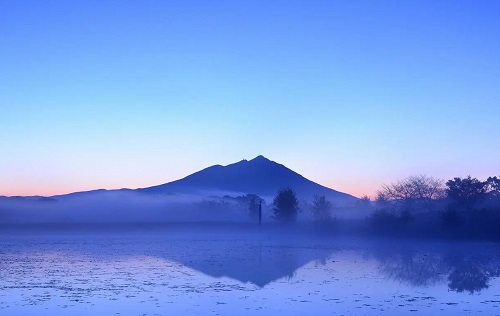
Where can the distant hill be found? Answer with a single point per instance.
(207, 195)
(258, 176)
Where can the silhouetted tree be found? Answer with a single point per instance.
(493, 192)
(381, 202)
(321, 208)
(285, 206)
(493, 186)
(493, 196)
(364, 202)
(365, 199)
(253, 205)
(249, 202)
(466, 193)
(412, 193)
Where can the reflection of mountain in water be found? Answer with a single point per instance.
(259, 264)
(465, 270)
(464, 267)
(262, 257)
(259, 260)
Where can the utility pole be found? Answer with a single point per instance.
(260, 212)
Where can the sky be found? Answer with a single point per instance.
(350, 94)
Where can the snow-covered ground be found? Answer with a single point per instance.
(243, 272)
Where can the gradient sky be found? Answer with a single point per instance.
(351, 94)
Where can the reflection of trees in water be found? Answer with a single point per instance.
(468, 278)
(472, 273)
(417, 269)
(465, 272)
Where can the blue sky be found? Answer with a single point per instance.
(351, 94)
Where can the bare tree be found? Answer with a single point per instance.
(413, 193)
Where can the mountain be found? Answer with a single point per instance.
(258, 176)
(202, 196)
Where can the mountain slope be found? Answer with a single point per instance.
(259, 175)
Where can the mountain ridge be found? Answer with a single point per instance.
(259, 175)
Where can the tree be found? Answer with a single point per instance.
(493, 186)
(412, 193)
(364, 202)
(321, 208)
(466, 193)
(493, 193)
(285, 206)
(381, 201)
(253, 205)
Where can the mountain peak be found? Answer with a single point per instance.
(257, 176)
(260, 158)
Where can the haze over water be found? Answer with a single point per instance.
(251, 272)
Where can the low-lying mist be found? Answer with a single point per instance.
(123, 207)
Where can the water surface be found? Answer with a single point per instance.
(245, 272)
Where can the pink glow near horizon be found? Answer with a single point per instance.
(43, 189)
(109, 96)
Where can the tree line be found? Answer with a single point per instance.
(423, 193)
(286, 207)
(464, 204)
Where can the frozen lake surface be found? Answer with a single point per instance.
(243, 272)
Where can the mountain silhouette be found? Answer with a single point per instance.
(257, 176)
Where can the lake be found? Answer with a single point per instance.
(228, 271)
